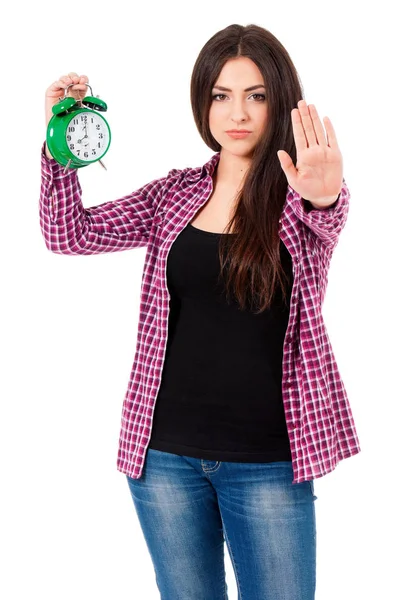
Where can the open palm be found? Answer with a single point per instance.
(318, 174)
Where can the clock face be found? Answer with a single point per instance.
(87, 136)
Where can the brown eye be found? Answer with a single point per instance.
(260, 96)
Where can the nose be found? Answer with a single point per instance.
(238, 111)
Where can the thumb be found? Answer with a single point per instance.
(287, 165)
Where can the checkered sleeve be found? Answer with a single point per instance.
(69, 228)
(326, 223)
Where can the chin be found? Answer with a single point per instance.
(236, 151)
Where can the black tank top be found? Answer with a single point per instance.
(220, 396)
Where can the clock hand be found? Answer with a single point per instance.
(85, 130)
(83, 138)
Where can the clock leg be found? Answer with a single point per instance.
(67, 166)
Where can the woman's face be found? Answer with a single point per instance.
(238, 109)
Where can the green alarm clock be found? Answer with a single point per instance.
(77, 134)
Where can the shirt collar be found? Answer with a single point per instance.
(197, 173)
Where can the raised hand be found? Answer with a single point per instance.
(57, 90)
(318, 174)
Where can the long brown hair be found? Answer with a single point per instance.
(255, 268)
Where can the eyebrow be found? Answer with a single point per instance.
(249, 89)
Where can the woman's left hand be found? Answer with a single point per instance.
(318, 175)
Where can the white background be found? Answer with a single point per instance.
(69, 323)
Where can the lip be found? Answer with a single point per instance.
(238, 133)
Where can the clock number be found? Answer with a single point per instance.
(72, 146)
(98, 126)
(94, 152)
(76, 121)
(92, 120)
(71, 129)
(86, 155)
(69, 137)
(100, 135)
(78, 152)
(99, 144)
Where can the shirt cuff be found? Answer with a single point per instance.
(51, 169)
(326, 223)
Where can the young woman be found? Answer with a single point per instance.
(235, 403)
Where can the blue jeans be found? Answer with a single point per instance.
(186, 506)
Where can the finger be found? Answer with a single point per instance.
(307, 123)
(298, 130)
(318, 127)
(58, 84)
(331, 134)
(64, 81)
(74, 76)
(73, 80)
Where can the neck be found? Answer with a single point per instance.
(231, 169)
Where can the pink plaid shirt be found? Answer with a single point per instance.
(318, 415)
